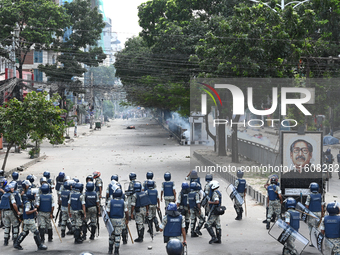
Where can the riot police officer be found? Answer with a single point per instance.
(29, 221)
(9, 215)
(214, 218)
(182, 204)
(45, 205)
(154, 205)
(30, 177)
(118, 213)
(330, 225)
(140, 205)
(65, 196)
(98, 183)
(173, 224)
(195, 209)
(77, 210)
(194, 177)
(15, 176)
(92, 210)
(168, 189)
(274, 200)
(149, 177)
(314, 204)
(113, 185)
(130, 191)
(59, 183)
(207, 193)
(292, 218)
(50, 182)
(240, 186)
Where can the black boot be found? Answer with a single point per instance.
(70, 228)
(50, 235)
(77, 238)
(156, 224)
(60, 219)
(124, 236)
(198, 229)
(140, 236)
(212, 234)
(268, 224)
(93, 232)
(116, 251)
(5, 241)
(218, 235)
(193, 234)
(38, 241)
(42, 235)
(265, 221)
(241, 211)
(187, 224)
(110, 248)
(19, 240)
(62, 233)
(84, 230)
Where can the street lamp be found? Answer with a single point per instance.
(283, 5)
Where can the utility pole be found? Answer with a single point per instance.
(92, 104)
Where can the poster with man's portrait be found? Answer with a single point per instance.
(301, 159)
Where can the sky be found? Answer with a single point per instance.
(124, 16)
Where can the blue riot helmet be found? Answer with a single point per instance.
(314, 187)
(333, 208)
(3, 182)
(193, 185)
(79, 187)
(137, 187)
(47, 174)
(45, 188)
(193, 174)
(132, 176)
(89, 178)
(30, 178)
(167, 176)
(114, 177)
(290, 203)
(208, 177)
(42, 180)
(149, 175)
(67, 185)
(150, 184)
(239, 174)
(174, 247)
(7, 188)
(185, 185)
(171, 207)
(71, 183)
(15, 176)
(90, 186)
(76, 180)
(26, 184)
(30, 195)
(61, 176)
(118, 193)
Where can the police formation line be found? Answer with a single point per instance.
(24, 203)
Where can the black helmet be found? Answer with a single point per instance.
(132, 176)
(239, 174)
(149, 175)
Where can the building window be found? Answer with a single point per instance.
(38, 75)
(38, 56)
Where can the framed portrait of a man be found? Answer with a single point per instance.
(301, 161)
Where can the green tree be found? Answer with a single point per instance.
(85, 28)
(36, 118)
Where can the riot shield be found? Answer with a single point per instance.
(283, 233)
(305, 212)
(232, 192)
(107, 221)
(320, 242)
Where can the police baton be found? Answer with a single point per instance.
(56, 230)
(185, 249)
(127, 226)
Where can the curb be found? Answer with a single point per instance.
(26, 165)
(255, 194)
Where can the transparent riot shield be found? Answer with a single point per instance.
(320, 242)
(232, 192)
(305, 212)
(283, 233)
(107, 221)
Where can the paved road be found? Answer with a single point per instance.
(116, 149)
